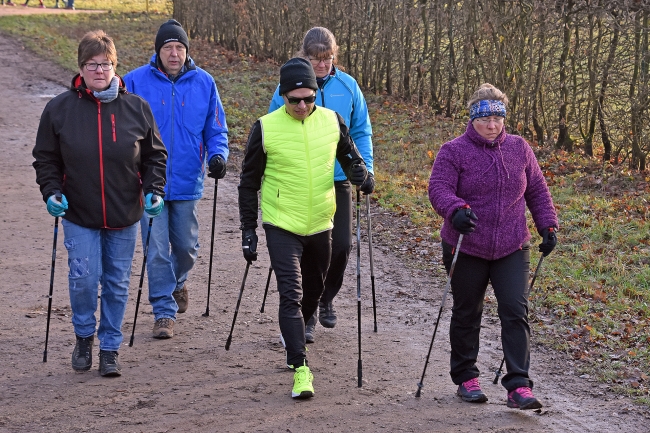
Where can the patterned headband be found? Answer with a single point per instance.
(487, 107)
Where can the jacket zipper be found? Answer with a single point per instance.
(310, 186)
(113, 126)
(171, 145)
(101, 160)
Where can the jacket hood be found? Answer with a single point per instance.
(477, 139)
(79, 85)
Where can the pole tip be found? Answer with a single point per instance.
(228, 343)
(417, 393)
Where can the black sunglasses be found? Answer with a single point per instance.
(295, 101)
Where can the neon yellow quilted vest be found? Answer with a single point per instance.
(298, 185)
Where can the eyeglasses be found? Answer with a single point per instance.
(328, 61)
(93, 66)
(295, 101)
(486, 120)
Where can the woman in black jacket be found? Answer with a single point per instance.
(97, 152)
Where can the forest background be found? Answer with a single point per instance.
(576, 73)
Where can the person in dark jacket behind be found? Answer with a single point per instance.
(290, 157)
(340, 92)
(481, 183)
(192, 122)
(97, 152)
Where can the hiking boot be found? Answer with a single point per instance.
(471, 391)
(182, 298)
(163, 328)
(309, 329)
(82, 355)
(108, 364)
(327, 315)
(523, 399)
(302, 383)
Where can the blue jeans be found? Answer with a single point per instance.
(99, 256)
(173, 248)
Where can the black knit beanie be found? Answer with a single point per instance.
(295, 74)
(171, 31)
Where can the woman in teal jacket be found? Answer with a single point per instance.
(340, 92)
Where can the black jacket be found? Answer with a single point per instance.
(102, 156)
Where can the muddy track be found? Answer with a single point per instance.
(191, 383)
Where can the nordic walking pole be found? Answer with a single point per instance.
(49, 301)
(144, 265)
(442, 305)
(372, 265)
(359, 367)
(214, 214)
(266, 290)
(530, 287)
(241, 290)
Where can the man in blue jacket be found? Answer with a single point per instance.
(192, 123)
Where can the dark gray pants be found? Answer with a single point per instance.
(509, 278)
(341, 241)
(300, 264)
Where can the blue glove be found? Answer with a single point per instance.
(153, 205)
(55, 207)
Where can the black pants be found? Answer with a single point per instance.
(509, 278)
(300, 264)
(341, 241)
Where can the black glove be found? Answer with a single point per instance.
(463, 220)
(358, 174)
(217, 167)
(369, 185)
(249, 244)
(549, 240)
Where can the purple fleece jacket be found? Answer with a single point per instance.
(497, 179)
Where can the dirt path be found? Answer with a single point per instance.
(19, 9)
(190, 383)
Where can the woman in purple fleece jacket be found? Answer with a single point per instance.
(481, 183)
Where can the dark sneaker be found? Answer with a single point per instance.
(471, 391)
(182, 298)
(82, 355)
(108, 364)
(309, 329)
(163, 328)
(302, 383)
(523, 398)
(327, 315)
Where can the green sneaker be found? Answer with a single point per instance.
(302, 383)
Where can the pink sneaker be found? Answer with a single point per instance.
(523, 399)
(471, 391)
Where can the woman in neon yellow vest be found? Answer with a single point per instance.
(290, 157)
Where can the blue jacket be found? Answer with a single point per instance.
(191, 121)
(341, 93)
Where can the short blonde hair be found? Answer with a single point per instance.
(94, 43)
(487, 91)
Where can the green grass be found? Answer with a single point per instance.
(592, 297)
